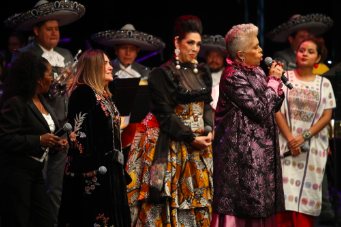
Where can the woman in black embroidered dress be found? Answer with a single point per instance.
(170, 160)
(90, 196)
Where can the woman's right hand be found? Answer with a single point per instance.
(202, 142)
(276, 69)
(295, 151)
(48, 140)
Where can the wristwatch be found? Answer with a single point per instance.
(307, 135)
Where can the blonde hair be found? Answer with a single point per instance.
(238, 38)
(90, 71)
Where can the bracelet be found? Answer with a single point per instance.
(307, 135)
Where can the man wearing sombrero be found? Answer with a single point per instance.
(297, 29)
(127, 43)
(44, 20)
(213, 50)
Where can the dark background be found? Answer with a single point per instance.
(157, 18)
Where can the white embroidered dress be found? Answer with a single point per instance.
(302, 175)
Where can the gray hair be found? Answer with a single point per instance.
(239, 38)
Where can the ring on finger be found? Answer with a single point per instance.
(279, 69)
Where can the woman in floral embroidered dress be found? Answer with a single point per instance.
(170, 160)
(91, 198)
(248, 188)
(302, 120)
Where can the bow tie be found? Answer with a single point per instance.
(54, 58)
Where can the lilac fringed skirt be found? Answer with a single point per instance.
(220, 220)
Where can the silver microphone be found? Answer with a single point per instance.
(268, 62)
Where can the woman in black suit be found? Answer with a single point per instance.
(27, 124)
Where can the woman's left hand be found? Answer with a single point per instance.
(296, 142)
(62, 145)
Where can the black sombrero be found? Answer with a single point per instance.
(65, 12)
(128, 35)
(316, 24)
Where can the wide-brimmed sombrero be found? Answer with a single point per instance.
(65, 12)
(212, 42)
(128, 35)
(316, 24)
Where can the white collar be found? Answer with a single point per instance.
(54, 58)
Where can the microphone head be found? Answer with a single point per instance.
(208, 128)
(268, 61)
(67, 127)
(102, 169)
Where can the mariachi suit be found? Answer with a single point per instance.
(141, 69)
(288, 57)
(22, 187)
(54, 168)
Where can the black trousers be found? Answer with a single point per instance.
(23, 193)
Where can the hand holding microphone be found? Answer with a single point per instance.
(277, 70)
(303, 147)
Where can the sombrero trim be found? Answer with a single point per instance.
(213, 40)
(44, 10)
(311, 18)
(129, 35)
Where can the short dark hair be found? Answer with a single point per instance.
(41, 23)
(186, 24)
(23, 76)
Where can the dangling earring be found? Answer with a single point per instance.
(243, 59)
(41, 84)
(195, 62)
(296, 63)
(316, 65)
(177, 52)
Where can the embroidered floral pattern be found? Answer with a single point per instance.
(104, 219)
(77, 133)
(91, 185)
(304, 103)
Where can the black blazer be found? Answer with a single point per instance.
(21, 124)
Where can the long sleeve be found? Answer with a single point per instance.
(162, 91)
(80, 115)
(12, 138)
(258, 106)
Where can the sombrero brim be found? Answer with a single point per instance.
(211, 47)
(316, 24)
(116, 37)
(212, 43)
(64, 12)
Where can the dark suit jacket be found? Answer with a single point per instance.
(288, 57)
(21, 124)
(58, 104)
(142, 70)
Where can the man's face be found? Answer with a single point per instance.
(298, 39)
(47, 35)
(14, 43)
(215, 60)
(126, 54)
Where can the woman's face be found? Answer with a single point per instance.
(47, 79)
(107, 70)
(189, 47)
(253, 55)
(307, 55)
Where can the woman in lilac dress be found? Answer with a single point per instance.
(247, 178)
